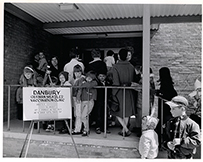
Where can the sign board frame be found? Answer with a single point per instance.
(47, 103)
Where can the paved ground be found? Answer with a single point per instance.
(12, 148)
(46, 149)
(54, 145)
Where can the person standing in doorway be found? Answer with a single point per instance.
(109, 60)
(70, 65)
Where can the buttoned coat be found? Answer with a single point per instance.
(123, 75)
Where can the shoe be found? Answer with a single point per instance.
(84, 133)
(107, 131)
(126, 134)
(98, 131)
(63, 131)
(50, 128)
(76, 133)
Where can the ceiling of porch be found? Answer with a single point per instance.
(101, 20)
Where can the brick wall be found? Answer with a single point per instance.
(21, 42)
(178, 46)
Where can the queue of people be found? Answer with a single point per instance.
(181, 134)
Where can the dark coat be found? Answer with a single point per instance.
(123, 75)
(188, 131)
(99, 67)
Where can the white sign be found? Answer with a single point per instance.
(47, 103)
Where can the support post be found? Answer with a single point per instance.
(146, 60)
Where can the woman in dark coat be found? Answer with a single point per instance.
(123, 75)
(167, 92)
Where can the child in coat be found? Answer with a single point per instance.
(63, 78)
(182, 133)
(87, 95)
(28, 79)
(148, 144)
(78, 81)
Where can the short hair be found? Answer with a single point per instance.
(73, 53)
(130, 48)
(91, 74)
(110, 53)
(123, 54)
(77, 68)
(95, 53)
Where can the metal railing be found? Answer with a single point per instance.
(124, 88)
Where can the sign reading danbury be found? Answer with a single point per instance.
(46, 103)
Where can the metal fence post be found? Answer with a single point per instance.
(124, 111)
(9, 106)
(105, 111)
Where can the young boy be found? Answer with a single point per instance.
(148, 144)
(182, 133)
(87, 95)
(100, 102)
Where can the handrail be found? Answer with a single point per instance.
(136, 88)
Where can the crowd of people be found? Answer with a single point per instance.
(181, 135)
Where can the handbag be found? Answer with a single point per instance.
(114, 103)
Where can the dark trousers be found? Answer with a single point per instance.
(20, 111)
(100, 114)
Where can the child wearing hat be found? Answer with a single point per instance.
(27, 79)
(148, 144)
(182, 133)
(87, 95)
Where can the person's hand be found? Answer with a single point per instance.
(176, 141)
(77, 101)
(48, 72)
(170, 145)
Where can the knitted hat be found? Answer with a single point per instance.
(152, 121)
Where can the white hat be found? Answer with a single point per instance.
(197, 85)
(151, 119)
(178, 101)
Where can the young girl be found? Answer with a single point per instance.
(28, 79)
(87, 95)
(148, 144)
(78, 80)
(63, 78)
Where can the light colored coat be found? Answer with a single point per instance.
(148, 144)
